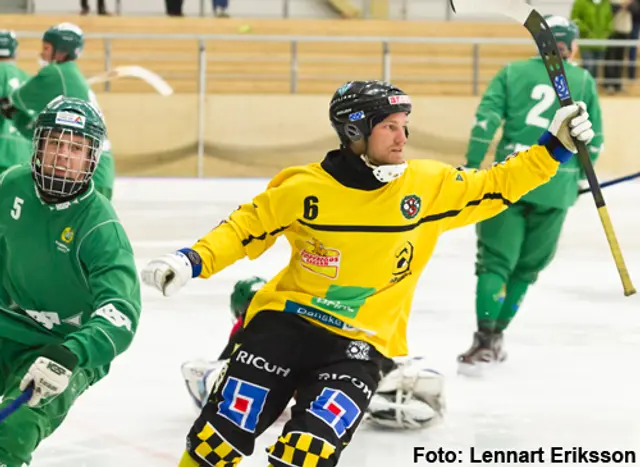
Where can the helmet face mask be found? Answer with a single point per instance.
(67, 143)
(64, 160)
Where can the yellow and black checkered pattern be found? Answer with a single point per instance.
(302, 450)
(211, 447)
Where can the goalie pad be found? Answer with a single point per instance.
(200, 377)
(408, 397)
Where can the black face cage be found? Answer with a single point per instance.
(63, 162)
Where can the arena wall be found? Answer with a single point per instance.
(257, 135)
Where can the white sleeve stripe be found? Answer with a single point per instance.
(473, 138)
(111, 300)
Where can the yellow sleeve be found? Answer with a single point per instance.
(468, 197)
(250, 230)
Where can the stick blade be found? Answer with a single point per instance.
(515, 9)
(154, 80)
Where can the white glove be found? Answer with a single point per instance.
(49, 379)
(168, 273)
(571, 122)
(409, 397)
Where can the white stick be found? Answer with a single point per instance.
(516, 9)
(134, 71)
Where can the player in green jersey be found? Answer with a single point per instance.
(14, 148)
(61, 47)
(515, 246)
(69, 270)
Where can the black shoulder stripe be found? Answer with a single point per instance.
(406, 227)
(262, 236)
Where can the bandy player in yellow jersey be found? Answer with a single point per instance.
(362, 225)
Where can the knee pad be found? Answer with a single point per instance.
(302, 449)
(211, 447)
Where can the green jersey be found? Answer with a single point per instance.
(69, 271)
(52, 81)
(521, 97)
(14, 148)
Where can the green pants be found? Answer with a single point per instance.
(513, 248)
(22, 432)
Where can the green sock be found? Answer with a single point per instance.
(516, 290)
(490, 290)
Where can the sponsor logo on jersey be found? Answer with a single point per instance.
(410, 206)
(320, 260)
(321, 317)
(344, 300)
(242, 403)
(402, 262)
(336, 409)
(260, 363)
(70, 119)
(67, 235)
(355, 381)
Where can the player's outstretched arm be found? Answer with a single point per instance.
(475, 195)
(249, 231)
(107, 257)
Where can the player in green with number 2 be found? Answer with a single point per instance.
(516, 245)
(69, 270)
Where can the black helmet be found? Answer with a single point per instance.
(357, 106)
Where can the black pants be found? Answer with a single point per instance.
(84, 4)
(283, 356)
(173, 7)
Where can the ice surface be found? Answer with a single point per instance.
(570, 380)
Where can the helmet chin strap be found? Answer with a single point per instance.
(384, 173)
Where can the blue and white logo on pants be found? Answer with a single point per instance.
(336, 409)
(242, 403)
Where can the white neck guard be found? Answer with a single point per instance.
(385, 173)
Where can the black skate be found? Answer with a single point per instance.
(485, 350)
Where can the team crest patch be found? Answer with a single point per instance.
(320, 260)
(410, 206)
(67, 235)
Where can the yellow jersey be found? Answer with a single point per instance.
(357, 254)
